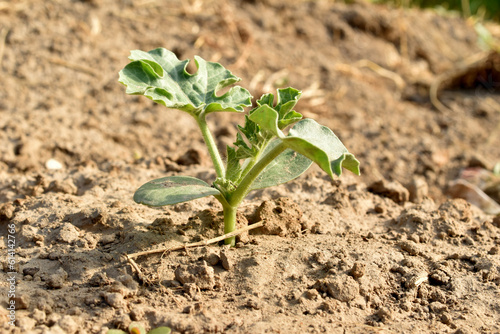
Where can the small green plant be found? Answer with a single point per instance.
(486, 39)
(496, 169)
(137, 328)
(262, 155)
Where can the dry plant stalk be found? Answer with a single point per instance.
(74, 66)
(196, 244)
(459, 70)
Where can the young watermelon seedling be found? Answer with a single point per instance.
(262, 156)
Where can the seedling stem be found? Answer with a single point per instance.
(211, 145)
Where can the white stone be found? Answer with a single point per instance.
(53, 164)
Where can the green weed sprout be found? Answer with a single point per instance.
(262, 155)
(486, 39)
(137, 328)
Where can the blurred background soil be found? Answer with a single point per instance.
(388, 251)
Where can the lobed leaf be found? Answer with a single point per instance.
(173, 190)
(162, 77)
(315, 141)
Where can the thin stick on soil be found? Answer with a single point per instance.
(457, 71)
(74, 66)
(138, 271)
(396, 78)
(353, 69)
(196, 244)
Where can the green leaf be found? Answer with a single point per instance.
(496, 169)
(251, 133)
(250, 139)
(160, 330)
(287, 99)
(486, 39)
(162, 77)
(136, 328)
(321, 145)
(267, 118)
(315, 141)
(286, 167)
(255, 139)
(233, 169)
(115, 331)
(172, 190)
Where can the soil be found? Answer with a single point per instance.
(385, 252)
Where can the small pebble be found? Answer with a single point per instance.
(312, 294)
(493, 250)
(57, 280)
(30, 271)
(226, 259)
(25, 324)
(357, 270)
(410, 246)
(68, 324)
(253, 304)
(23, 301)
(202, 275)
(385, 314)
(212, 259)
(38, 315)
(467, 241)
(53, 164)
(446, 318)
(115, 299)
(343, 288)
(137, 313)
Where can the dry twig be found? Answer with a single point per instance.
(459, 70)
(138, 271)
(195, 244)
(73, 66)
(383, 72)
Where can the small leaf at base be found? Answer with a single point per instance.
(173, 190)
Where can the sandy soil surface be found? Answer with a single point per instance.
(385, 252)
